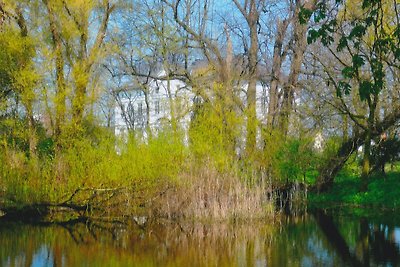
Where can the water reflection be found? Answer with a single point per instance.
(316, 239)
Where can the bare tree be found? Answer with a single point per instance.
(251, 12)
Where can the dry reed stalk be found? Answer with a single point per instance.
(208, 194)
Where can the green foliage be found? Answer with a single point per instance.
(331, 146)
(14, 133)
(294, 159)
(146, 169)
(386, 151)
(16, 67)
(213, 135)
(382, 192)
(291, 160)
(304, 15)
(366, 31)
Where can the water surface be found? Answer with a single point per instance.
(313, 239)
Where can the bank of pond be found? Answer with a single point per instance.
(341, 227)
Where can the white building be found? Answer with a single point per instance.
(133, 112)
(139, 107)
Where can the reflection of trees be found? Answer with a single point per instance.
(335, 238)
(153, 244)
(18, 246)
(19, 243)
(380, 246)
(299, 243)
(88, 231)
(306, 240)
(374, 242)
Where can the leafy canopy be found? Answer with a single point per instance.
(368, 31)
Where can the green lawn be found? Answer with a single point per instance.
(383, 192)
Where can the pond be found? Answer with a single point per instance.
(315, 238)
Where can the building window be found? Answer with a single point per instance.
(130, 111)
(196, 100)
(264, 102)
(140, 109)
(157, 107)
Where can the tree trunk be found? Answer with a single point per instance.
(330, 170)
(252, 19)
(366, 164)
(333, 166)
(60, 101)
(85, 58)
(78, 106)
(27, 101)
(372, 104)
(276, 74)
(166, 66)
(299, 43)
(147, 102)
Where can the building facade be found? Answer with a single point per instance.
(152, 107)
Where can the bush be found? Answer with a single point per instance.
(141, 171)
(214, 135)
(290, 160)
(386, 151)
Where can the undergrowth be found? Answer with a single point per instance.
(383, 192)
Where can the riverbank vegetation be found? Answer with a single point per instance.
(382, 193)
(329, 79)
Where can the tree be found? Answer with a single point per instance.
(367, 51)
(76, 46)
(150, 50)
(215, 83)
(17, 73)
(251, 12)
(57, 46)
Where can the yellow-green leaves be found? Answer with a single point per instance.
(16, 63)
(368, 37)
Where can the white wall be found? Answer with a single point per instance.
(183, 101)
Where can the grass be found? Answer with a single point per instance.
(383, 192)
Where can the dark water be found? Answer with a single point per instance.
(313, 239)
